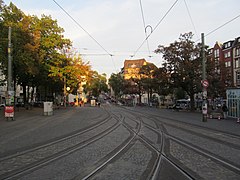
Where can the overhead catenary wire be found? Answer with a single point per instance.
(144, 24)
(82, 27)
(222, 25)
(219, 27)
(156, 26)
(189, 14)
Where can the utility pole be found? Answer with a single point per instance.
(204, 82)
(9, 82)
(9, 108)
(65, 91)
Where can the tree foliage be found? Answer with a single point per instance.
(148, 80)
(116, 82)
(184, 64)
(42, 57)
(97, 84)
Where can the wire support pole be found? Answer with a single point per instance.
(204, 90)
(9, 80)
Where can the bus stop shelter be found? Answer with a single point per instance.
(233, 102)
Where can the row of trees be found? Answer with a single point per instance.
(42, 57)
(180, 74)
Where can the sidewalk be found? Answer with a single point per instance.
(23, 113)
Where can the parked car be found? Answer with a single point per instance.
(182, 104)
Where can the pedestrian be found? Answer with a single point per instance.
(225, 110)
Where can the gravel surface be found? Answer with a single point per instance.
(131, 165)
(82, 160)
(203, 166)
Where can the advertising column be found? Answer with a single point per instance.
(9, 108)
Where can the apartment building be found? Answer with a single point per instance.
(227, 70)
(226, 59)
(216, 55)
(236, 62)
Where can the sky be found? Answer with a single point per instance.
(116, 31)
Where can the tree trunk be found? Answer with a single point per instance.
(192, 104)
(24, 93)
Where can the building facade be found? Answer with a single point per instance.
(236, 62)
(132, 68)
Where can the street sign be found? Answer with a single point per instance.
(205, 83)
(9, 111)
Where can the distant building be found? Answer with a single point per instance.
(236, 62)
(227, 71)
(217, 57)
(132, 68)
(226, 58)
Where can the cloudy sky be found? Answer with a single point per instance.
(118, 28)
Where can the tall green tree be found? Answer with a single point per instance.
(184, 64)
(116, 82)
(36, 47)
(147, 79)
(15, 18)
(96, 84)
(163, 85)
(217, 86)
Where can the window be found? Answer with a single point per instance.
(237, 51)
(227, 54)
(229, 64)
(238, 78)
(237, 63)
(227, 45)
(216, 53)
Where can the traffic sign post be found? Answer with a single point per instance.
(204, 82)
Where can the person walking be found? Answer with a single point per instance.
(225, 110)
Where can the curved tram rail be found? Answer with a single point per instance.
(22, 162)
(148, 148)
(156, 165)
(199, 151)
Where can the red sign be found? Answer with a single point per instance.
(9, 111)
(205, 83)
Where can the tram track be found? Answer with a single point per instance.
(139, 146)
(28, 159)
(216, 150)
(135, 125)
(54, 140)
(24, 135)
(113, 155)
(198, 162)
